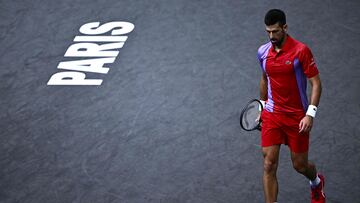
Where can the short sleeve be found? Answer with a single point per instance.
(262, 53)
(308, 63)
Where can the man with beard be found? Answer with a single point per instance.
(287, 118)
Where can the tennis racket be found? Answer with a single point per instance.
(250, 116)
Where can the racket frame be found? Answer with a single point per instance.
(258, 126)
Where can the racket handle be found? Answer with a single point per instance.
(262, 105)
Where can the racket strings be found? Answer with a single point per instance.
(251, 116)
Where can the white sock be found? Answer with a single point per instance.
(315, 182)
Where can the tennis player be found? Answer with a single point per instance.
(287, 65)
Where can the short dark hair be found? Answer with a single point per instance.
(274, 16)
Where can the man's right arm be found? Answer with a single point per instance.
(263, 87)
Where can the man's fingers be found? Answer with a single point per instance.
(304, 128)
(301, 126)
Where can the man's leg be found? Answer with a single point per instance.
(302, 165)
(271, 160)
(308, 169)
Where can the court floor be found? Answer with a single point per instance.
(163, 125)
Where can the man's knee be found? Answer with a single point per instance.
(271, 157)
(270, 166)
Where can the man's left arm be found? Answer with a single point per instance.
(306, 123)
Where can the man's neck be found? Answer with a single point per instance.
(278, 48)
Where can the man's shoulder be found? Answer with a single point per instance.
(263, 49)
(264, 46)
(300, 46)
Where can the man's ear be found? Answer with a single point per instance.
(285, 27)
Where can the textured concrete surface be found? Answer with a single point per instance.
(163, 126)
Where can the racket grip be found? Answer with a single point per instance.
(262, 105)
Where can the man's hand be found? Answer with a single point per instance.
(305, 124)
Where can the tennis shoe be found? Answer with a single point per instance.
(317, 192)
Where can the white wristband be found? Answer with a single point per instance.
(311, 111)
(262, 105)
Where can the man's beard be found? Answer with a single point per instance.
(277, 43)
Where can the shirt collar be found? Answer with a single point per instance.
(286, 46)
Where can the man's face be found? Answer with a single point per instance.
(276, 33)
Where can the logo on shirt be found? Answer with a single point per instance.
(287, 62)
